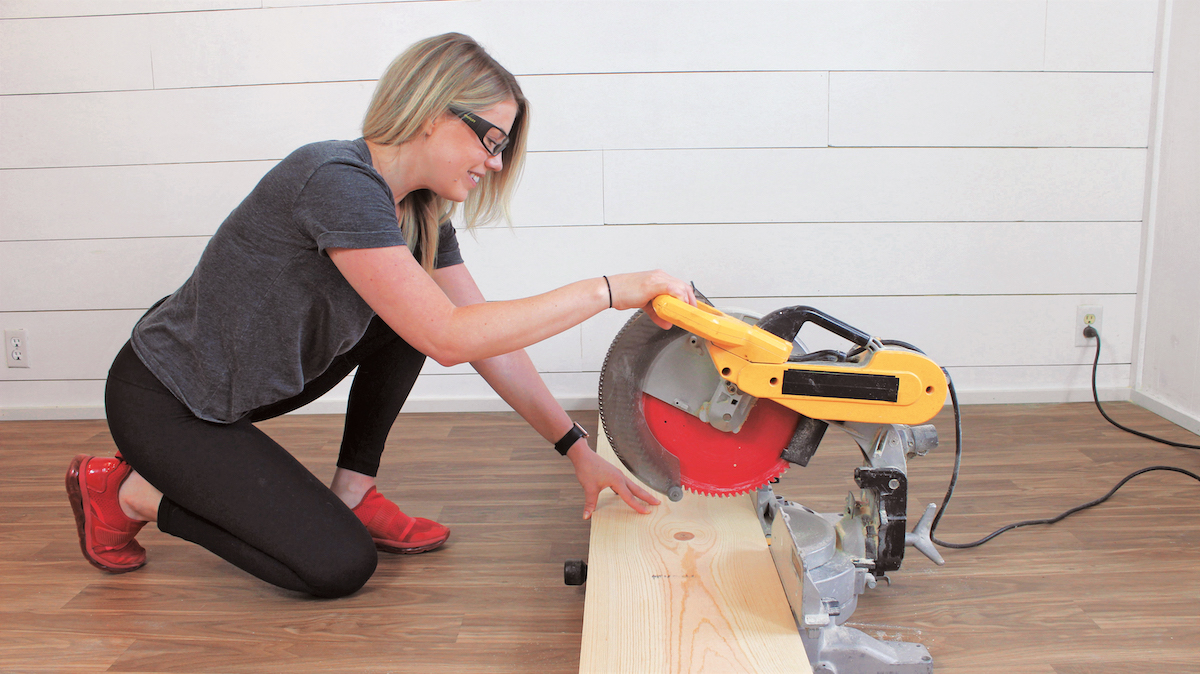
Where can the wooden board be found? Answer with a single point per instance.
(688, 588)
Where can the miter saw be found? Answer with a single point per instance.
(722, 403)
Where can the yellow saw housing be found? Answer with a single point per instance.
(886, 386)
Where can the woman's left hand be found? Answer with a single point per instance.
(595, 474)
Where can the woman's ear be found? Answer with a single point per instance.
(430, 126)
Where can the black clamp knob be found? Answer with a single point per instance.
(575, 572)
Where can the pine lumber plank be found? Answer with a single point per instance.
(688, 588)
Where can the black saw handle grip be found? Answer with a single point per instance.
(786, 323)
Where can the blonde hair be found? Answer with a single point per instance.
(420, 85)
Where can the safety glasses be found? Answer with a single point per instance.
(494, 140)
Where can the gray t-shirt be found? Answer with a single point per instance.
(266, 310)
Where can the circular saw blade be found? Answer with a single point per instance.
(669, 448)
(718, 463)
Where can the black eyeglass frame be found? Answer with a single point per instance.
(481, 127)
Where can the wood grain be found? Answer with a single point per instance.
(690, 587)
(1111, 590)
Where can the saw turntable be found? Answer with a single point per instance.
(722, 404)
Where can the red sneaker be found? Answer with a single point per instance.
(393, 531)
(105, 533)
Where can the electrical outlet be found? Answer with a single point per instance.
(16, 348)
(1085, 315)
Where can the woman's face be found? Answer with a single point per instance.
(457, 159)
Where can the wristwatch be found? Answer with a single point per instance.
(570, 438)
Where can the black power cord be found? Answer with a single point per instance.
(1089, 331)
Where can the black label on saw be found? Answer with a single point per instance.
(846, 385)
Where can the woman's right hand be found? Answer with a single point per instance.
(638, 290)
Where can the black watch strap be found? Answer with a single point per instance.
(570, 438)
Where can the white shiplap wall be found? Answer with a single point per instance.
(960, 175)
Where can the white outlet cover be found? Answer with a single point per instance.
(16, 348)
(1081, 314)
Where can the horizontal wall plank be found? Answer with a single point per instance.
(51, 399)
(959, 331)
(560, 188)
(972, 259)
(19, 9)
(819, 259)
(73, 399)
(276, 45)
(167, 200)
(80, 345)
(873, 184)
(564, 386)
(1039, 384)
(990, 109)
(976, 331)
(273, 45)
(270, 45)
(94, 274)
(177, 126)
(678, 110)
(92, 54)
(163, 200)
(955, 331)
(1109, 35)
(66, 345)
(467, 393)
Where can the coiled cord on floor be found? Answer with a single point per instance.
(1088, 332)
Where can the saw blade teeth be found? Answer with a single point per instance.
(721, 493)
(716, 494)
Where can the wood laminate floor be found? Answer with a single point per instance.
(1113, 589)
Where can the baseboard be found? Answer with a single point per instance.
(1167, 411)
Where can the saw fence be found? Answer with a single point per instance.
(690, 587)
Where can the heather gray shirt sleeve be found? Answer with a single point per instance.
(448, 253)
(339, 198)
(344, 205)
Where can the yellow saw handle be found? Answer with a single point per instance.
(741, 339)
(911, 388)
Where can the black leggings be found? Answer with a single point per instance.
(238, 493)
